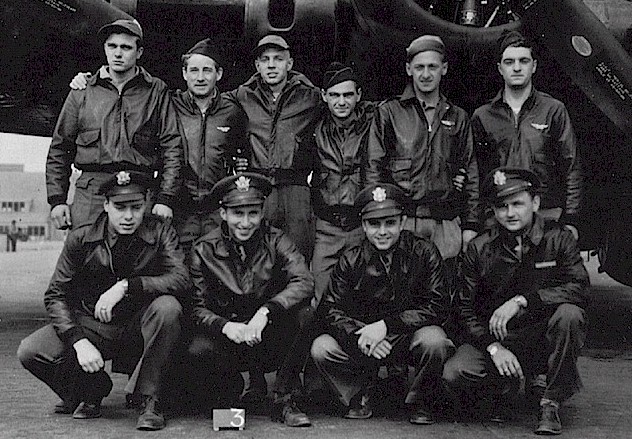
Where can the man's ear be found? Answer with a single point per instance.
(222, 213)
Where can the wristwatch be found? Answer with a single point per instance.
(492, 349)
(521, 301)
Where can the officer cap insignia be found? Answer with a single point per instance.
(379, 194)
(500, 178)
(243, 184)
(123, 178)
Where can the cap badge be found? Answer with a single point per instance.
(379, 194)
(123, 178)
(243, 184)
(500, 178)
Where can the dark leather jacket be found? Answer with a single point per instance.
(411, 295)
(226, 289)
(540, 139)
(277, 128)
(341, 149)
(550, 272)
(210, 141)
(423, 160)
(154, 266)
(101, 130)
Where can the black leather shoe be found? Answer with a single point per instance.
(421, 416)
(150, 418)
(291, 415)
(550, 423)
(64, 407)
(359, 408)
(87, 410)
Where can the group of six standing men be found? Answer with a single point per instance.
(394, 190)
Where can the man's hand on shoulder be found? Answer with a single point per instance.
(162, 210)
(88, 356)
(573, 230)
(60, 215)
(370, 336)
(505, 361)
(467, 236)
(108, 300)
(80, 81)
(235, 332)
(502, 315)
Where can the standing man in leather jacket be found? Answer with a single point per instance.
(282, 106)
(252, 290)
(526, 128)
(524, 287)
(385, 305)
(340, 143)
(422, 142)
(214, 141)
(113, 296)
(122, 120)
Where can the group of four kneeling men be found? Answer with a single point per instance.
(121, 288)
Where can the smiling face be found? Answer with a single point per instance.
(515, 212)
(273, 64)
(342, 99)
(242, 221)
(517, 67)
(201, 74)
(383, 233)
(122, 52)
(125, 217)
(426, 70)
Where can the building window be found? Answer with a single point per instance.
(42, 231)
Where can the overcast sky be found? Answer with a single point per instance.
(27, 150)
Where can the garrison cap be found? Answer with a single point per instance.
(243, 189)
(511, 38)
(131, 27)
(423, 44)
(207, 48)
(503, 182)
(380, 200)
(336, 73)
(126, 186)
(270, 41)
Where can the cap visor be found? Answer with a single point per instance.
(382, 213)
(123, 198)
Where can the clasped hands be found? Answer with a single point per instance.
(372, 341)
(249, 333)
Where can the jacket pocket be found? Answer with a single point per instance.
(88, 151)
(143, 143)
(400, 171)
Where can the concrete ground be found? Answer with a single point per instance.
(602, 410)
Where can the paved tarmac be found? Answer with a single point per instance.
(602, 410)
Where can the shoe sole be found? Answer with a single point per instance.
(547, 432)
(421, 422)
(359, 417)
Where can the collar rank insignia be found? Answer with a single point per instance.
(379, 194)
(123, 178)
(500, 178)
(243, 184)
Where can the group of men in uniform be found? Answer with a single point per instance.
(247, 188)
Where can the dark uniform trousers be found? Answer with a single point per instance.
(284, 348)
(193, 225)
(152, 334)
(549, 346)
(349, 371)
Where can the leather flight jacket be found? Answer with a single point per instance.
(424, 159)
(277, 128)
(273, 273)
(102, 130)
(540, 138)
(153, 264)
(548, 271)
(408, 295)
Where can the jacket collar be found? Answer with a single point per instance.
(189, 102)
(97, 231)
(408, 97)
(499, 99)
(535, 234)
(104, 74)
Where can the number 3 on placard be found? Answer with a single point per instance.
(239, 419)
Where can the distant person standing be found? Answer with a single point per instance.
(12, 236)
(122, 120)
(525, 128)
